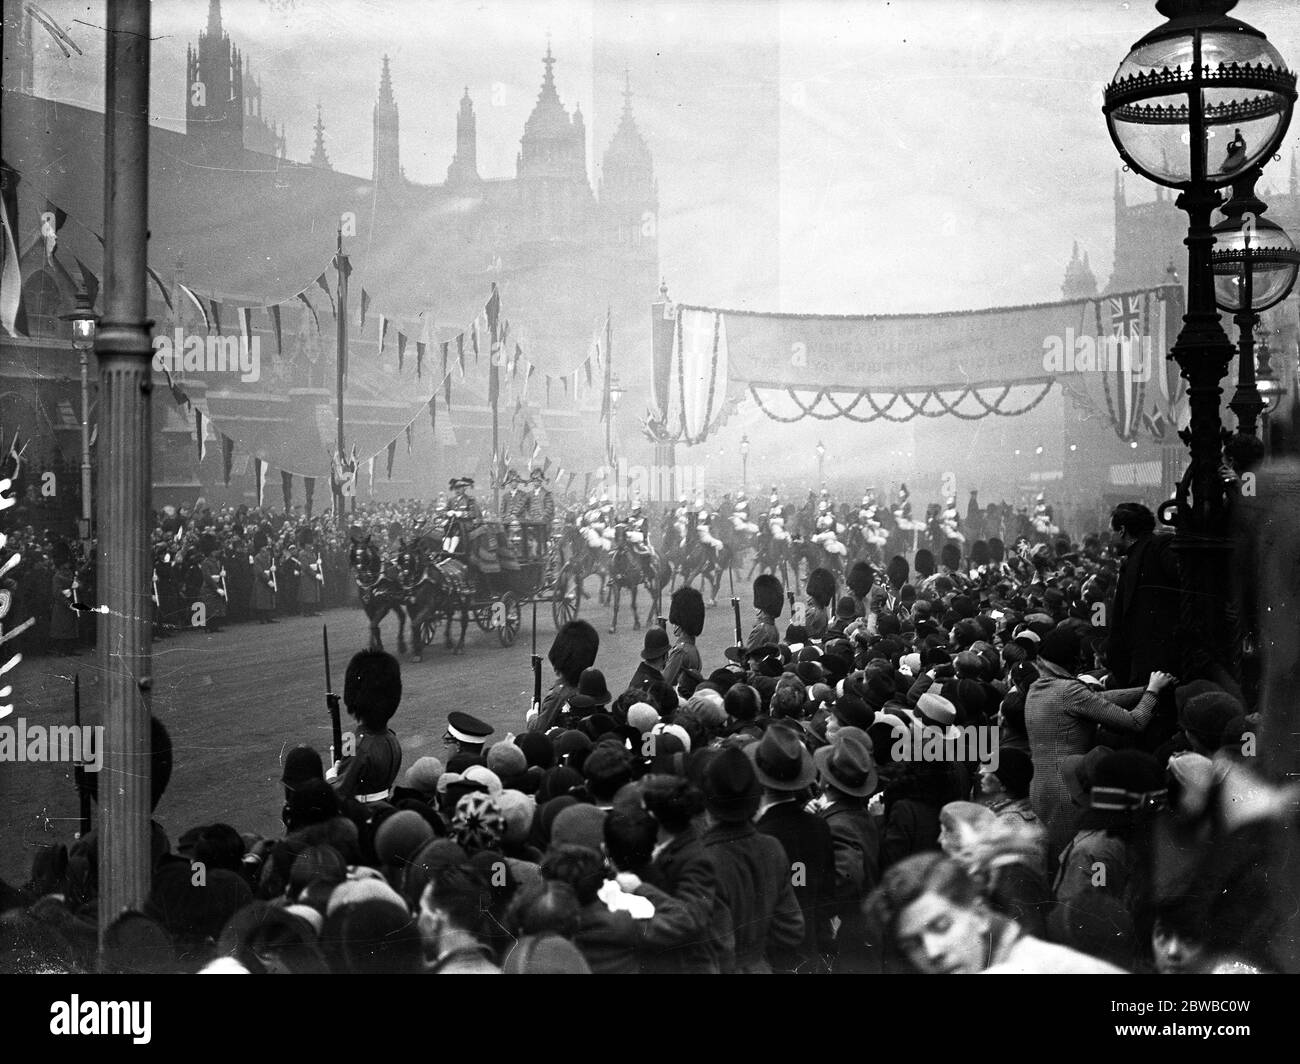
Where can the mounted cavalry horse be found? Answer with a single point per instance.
(630, 570)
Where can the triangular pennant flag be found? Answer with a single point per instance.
(274, 312)
(12, 315)
(446, 345)
(473, 339)
(410, 433)
(528, 376)
(88, 281)
(565, 382)
(307, 303)
(401, 349)
(547, 465)
(322, 282)
(259, 472)
(433, 415)
(537, 449)
(308, 490)
(392, 452)
(197, 303)
(245, 317)
(365, 306)
(347, 265)
(227, 457)
(383, 333)
(586, 364)
(371, 464)
(94, 434)
(200, 434)
(460, 354)
(216, 314)
(162, 288)
(286, 489)
(419, 359)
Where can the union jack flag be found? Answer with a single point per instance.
(1126, 377)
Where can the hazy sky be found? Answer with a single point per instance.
(870, 157)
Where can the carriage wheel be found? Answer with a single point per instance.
(483, 616)
(509, 628)
(426, 633)
(568, 598)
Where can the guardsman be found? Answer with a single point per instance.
(703, 527)
(311, 575)
(638, 537)
(63, 614)
(262, 562)
(740, 519)
(213, 592)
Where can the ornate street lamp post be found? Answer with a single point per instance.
(821, 464)
(744, 463)
(1255, 265)
(1197, 103)
(84, 320)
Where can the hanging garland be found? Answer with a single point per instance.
(915, 407)
(684, 436)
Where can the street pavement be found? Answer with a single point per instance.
(236, 701)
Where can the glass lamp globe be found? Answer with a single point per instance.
(1199, 58)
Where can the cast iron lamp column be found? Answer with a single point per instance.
(1198, 102)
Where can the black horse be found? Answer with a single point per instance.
(435, 591)
(380, 588)
(629, 571)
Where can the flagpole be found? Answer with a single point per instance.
(494, 387)
(609, 398)
(340, 360)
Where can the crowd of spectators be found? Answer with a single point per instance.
(947, 775)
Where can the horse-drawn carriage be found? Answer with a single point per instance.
(456, 569)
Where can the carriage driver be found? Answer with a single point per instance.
(464, 506)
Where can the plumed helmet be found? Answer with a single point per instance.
(898, 571)
(574, 649)
(860, 578)
(924, 562)
(686, 610)
(951, 555)
(769, 596)
(821, 587)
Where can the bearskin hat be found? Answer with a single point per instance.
(261, 539)
(574, 649)
(208, 543)
(997, 549)
(979, 553)
(769, 596)
(821, 587)
(372, 687)
(951, 555)
(898, 571)
(924, 562)
(686, 610)
(306, 537)
(62, 553)
(861, 577)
